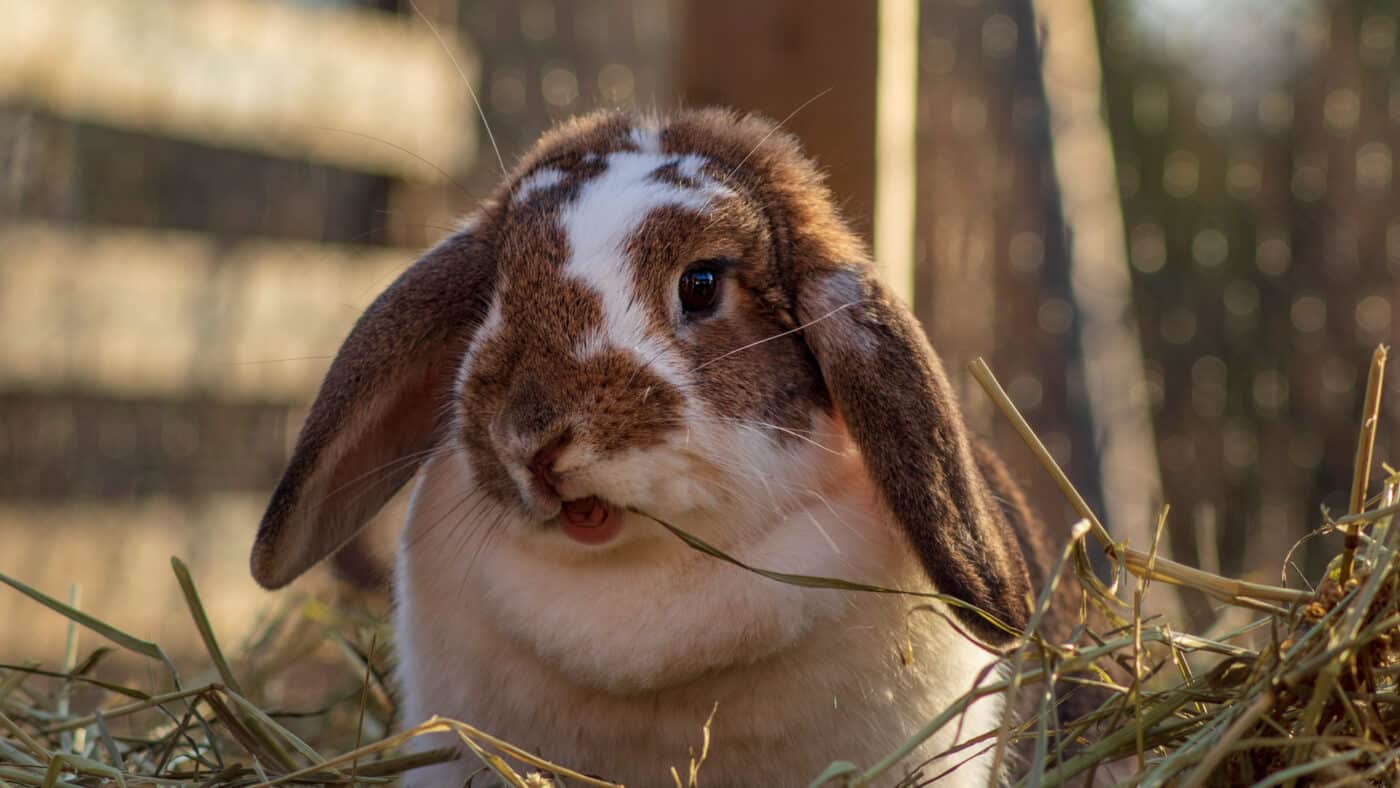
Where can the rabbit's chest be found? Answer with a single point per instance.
(613, 671)
(845, 694)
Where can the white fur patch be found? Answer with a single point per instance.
(647, 139)
(542, 179)
(690, 165)
(608, 210)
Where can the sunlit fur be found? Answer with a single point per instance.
(802, 425)
(610, 658)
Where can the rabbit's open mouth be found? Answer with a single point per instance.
(590, 520)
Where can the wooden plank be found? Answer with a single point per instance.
(60, 445)
(362, 89)
(119, 551)
(120, 556)
(141, 313)
(811, 62)
(896, 144)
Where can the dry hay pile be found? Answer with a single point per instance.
(1306, 693)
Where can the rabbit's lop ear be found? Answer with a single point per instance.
(380, 410)
(890, 389)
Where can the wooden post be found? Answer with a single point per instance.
(992, 276)
(774, 58)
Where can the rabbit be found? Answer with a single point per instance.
(666, 320)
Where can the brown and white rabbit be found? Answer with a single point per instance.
(664, 318)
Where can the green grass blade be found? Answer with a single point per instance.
(30, 777)
(810, 581)
(201, 622)
(127, 641)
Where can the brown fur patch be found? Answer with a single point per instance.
(670, 173)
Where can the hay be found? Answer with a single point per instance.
(1306, 693)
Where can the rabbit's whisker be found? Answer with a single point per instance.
(730, 175)
(401, 149)
(487, 533)
(793, 496)
(480, 110)
(433, 526)
(481, 534)
(364, 483)
(682, 420)
(778, 335)
(756, 425)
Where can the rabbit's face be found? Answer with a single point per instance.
(638, 352)
(670, 318)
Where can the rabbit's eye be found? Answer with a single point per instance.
(699, 289)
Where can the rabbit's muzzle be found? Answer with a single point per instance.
(559, 424)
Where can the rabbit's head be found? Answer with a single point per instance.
(660, 317)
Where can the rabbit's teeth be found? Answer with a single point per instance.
(590, 520)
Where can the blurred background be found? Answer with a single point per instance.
(1171, 226)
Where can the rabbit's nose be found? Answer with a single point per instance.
(541, 464)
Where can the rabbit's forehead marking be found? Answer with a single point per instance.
(599, 223)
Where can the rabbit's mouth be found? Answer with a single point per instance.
(590, 520)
